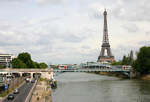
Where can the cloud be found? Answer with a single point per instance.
(67, 31)
(72, 38)
(50, 1)
(144, 43)
(95, 10)
(148, 33)
(132, 10)
(11, 0)
(130, 27)
(85, 47)
(135, 10)
(122, 50)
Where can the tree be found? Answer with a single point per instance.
(116, 63)
(17, 63)
(36, 65)
(24, 61)
(142, 63)
(43, 65)
(26, 58)
(125, 60)
(128, 60)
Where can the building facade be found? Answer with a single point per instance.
(5, 60)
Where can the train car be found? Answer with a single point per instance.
(125, 67)
(62, 67)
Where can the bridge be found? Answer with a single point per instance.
(48, 73)
(44, 73)
(126, 70)
(95, 67)
(92, 70)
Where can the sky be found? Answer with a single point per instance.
(71, 31)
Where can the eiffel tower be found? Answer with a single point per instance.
(105, 44)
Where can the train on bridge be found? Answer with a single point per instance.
(92, 66)
(66, 67)
(63, 67)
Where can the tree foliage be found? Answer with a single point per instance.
(43, 65)
(142, 63)
(17, 63)
(24, 61)
(126, 60)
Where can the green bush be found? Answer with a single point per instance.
(1, 66)
(4, 93)
(41, 79)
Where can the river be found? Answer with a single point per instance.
(86, 87)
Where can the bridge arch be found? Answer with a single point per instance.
(36, 75)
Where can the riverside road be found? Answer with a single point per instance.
(23, 92)
(87, 87)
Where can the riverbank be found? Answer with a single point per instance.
(42, 92)
(115, 74)
(145, 77)
(120, 75)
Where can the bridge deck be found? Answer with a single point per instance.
(93, 70)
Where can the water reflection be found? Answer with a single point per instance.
(84, 87)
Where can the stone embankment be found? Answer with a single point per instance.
(115, 74)
(42, 92)
(138, 76)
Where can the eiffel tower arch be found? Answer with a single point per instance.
(105, 44)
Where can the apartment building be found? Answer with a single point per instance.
(5, 59)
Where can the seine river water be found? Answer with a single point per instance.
(85, 87)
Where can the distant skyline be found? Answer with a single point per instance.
(71, 31)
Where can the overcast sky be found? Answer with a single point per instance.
(71, 31)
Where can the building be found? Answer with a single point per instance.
(5, 59)
(105, 44)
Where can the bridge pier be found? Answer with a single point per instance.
(132, 74)
(47, 75)
(31, 74)
(21, 74)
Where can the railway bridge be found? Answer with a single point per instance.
(127, 70)
(48, 73)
